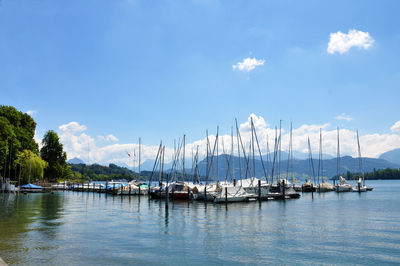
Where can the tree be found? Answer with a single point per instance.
(31, 166)
(17, 130)
(52, 152)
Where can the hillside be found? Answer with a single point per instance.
(392, 156)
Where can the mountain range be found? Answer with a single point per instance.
(301, 165)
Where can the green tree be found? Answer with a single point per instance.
(31, 166)
(7, 138)
(17, 130)
(52, 152)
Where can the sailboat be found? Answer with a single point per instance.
(361, 187)
(308, 186)
(324, 186)
(343, 185)
(179, 190)
(134, 187)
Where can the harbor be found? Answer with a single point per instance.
(73, 227)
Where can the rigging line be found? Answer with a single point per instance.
(243, 149)
(226, 162)
(154, 166)
(212, 155)
(360, 158)
(275, 153)
(175, 160)
(288, 161)
(311, 159)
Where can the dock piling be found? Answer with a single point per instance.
(166, 197)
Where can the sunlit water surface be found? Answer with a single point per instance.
(74, 228)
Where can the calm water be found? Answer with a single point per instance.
(73, 228)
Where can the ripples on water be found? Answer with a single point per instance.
(87, 228)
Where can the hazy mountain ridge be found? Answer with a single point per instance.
(392, 156)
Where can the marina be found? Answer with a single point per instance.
(95, 228)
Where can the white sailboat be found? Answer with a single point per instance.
(324, 186)
(361, 187)
(343, 185)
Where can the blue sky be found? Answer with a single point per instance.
(159, 69)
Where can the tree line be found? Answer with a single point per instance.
(20, 157)
(384, 174)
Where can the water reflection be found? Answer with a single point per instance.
(324, 228)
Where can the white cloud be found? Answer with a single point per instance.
(78, 144)
(396, 127)
(109, 137)
(72, 127)
(341, 42)
(31, 112)
(248, 64)
(344, 116)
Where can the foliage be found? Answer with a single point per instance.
(100, 172)
(17, 130)
(52, 152)
(31, 166)
(387, 173)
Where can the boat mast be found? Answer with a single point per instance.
(240, 164)
(139, 157)
(280, 148)
(320, 162)
(289, 151)
(259, 151)
(252, 145)
(311, 160)
(162, 164)
(207, 166)
(233, 159)
(216, 173)
(183, 162)
(338, 154)
(360, 159)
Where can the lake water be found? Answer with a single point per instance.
(74, 228)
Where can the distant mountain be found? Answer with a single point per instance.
(297, 155)
(392, 156)
(149, 164)
(75, 161)
(301, 168)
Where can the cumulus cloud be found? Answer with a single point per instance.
(344, 116)
(78, 144)
(341, 42)
(109, 137)
(72, 127)
(248, 64)
(396, 127)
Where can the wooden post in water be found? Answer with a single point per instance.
(283, 188)
(106, 187)
(312, 190)
(205, 192)
(188, 193)
(129, 190)
(234, 182)
(226, 194)
(359, 187)
(166, 197)
(259, 190)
